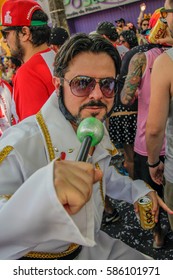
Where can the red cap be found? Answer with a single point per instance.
(19, 13)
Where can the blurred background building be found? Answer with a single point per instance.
(84, 15)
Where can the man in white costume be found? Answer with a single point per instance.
(52, 205)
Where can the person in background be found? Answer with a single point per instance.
(161, 105)
(131, 26)
(14, 64)
(5, 105)
(4, 47)
(53, 202)
(120, 25)
(122, 122)
(5, 62)
(128, 39)
(108, 31)
(2, 70)
(144, 34)
(144, 24)
(138, 81)
(8, 69)
(26, 31)
(141, 15)
(142, 37)
(58, 36)
(2, 52)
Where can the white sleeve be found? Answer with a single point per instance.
(34, 215)
(123, 187)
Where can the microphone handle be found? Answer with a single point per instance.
(84, 149)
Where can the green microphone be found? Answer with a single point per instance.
(90, 132)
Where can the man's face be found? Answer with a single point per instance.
(120, 24)
(95, 104)
(14, 44)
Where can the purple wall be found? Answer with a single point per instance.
(129, 12)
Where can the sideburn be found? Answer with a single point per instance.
(63, 108)
(19, 53)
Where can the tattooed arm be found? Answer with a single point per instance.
(136, 69)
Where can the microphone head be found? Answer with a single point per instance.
(90, 127)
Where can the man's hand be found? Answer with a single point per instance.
(157, 202)
(73, 183)
(167, 38)
(156, 173)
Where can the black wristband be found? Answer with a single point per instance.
(153, 165)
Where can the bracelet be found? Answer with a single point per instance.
(153, 165)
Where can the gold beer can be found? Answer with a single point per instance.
(158, 31)
(145, 213)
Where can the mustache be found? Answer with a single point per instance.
(93, 103)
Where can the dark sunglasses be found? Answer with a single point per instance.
(164, 12)
(145, 24)
(84, 85)
(5, 31)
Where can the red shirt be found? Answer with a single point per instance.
(33, 85)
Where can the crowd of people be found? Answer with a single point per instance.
(50, 82)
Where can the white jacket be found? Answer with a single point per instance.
(33, 219)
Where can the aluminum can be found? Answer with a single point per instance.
(158, 31)
(145, 213)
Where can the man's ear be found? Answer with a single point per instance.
(56, 81)
(26, 33)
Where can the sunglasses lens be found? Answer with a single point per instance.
(6, 31)
(82, 86)
(107, 87)
(3, 34)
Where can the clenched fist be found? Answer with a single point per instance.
(73, 183)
